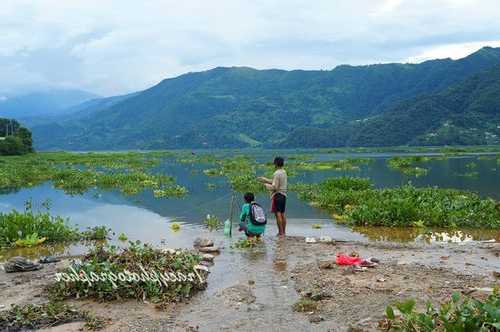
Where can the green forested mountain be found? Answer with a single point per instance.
(435, 102)
(14, 139)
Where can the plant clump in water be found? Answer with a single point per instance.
(356, 202)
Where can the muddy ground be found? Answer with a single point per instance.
(255, 289)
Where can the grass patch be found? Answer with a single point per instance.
(30, 316)
(458, 314)
(28, 228)
(131, 263)
(408, 165)
(305, 305)
(356, 202)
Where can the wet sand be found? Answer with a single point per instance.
(255, 288)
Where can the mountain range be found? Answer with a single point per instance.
(436, 102)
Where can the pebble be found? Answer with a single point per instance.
(310, 240)
(209, 249)
(326, 239)
(208, 257)
(325, 265)
(202, 242)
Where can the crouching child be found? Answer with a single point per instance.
(252, 218)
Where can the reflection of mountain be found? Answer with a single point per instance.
(435, 102)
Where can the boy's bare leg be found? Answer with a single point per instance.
(283, 222)
(279, 221)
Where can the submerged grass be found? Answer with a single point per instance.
(356, 202)
(76, 173)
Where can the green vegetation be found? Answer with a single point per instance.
(406, 165)
(241, 172)
(356, 202)
(246, 243)
(305, 305)
(351, 164)
(457, 315)
(35, 317)
(122, 237)
(174, 276)
(76, 173)
(212, 222)
(96, 233)
(14, 139)
(28, 228)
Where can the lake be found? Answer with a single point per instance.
(146, 218)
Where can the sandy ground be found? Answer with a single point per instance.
(259, 294)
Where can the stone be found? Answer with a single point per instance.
(326, 265)
(310, 240)
(326, 239)
(316, 318)
(496, 274)
(169, 251)
(207, 264)
(202, 242)
(20, 264)
(48, 259)
(209, 249)
(207, 258)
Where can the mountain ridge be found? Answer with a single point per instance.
(229, 107)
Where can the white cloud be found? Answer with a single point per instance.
(117, 46)
(453, 51)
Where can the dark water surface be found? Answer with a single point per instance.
(143, 217)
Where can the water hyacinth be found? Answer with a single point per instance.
(355, 201)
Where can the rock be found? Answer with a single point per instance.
(380, 279)
(202, 242)
(310, 240)
(206, 263)
(316, 318)
(496, 274)
(326, 239)
(201, 268)
(209, 249)
(326, 265)
(48, 259)
(255, 307)
(169, 251)
(207, 257)
(20, 264)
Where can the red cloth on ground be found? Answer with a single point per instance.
(348, 260)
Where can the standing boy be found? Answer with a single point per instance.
(278, 188)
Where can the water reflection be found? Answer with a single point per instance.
(426, 235)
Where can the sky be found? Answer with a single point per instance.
(111, 47)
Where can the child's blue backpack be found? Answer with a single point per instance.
(257, 215)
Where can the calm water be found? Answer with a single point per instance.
(145, 218)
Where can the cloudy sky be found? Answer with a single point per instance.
(116, 46)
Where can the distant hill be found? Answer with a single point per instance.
(349, 105)
(42, 103)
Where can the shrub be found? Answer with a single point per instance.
(457, 315)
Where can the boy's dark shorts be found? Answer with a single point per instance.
(278, 203)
